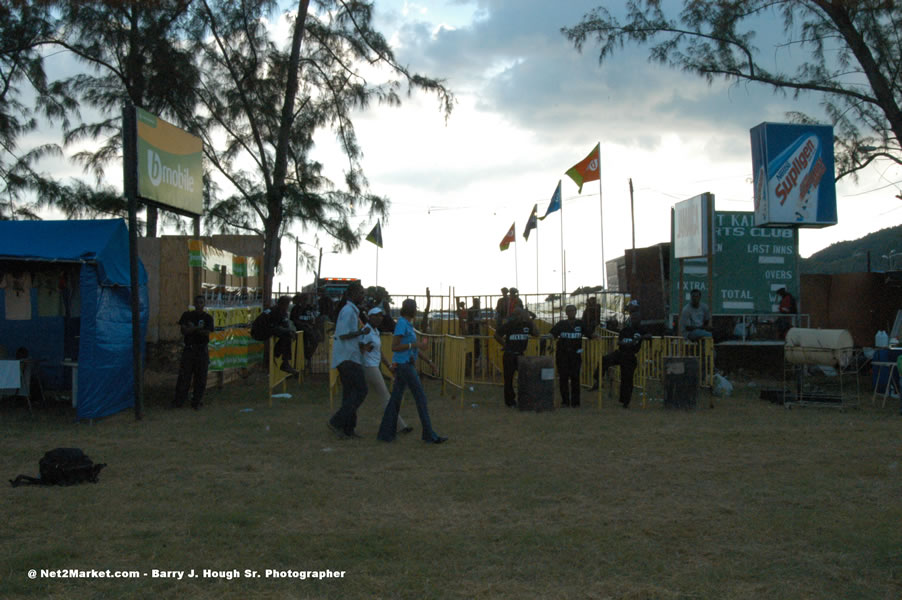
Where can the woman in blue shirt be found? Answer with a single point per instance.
(405, 347)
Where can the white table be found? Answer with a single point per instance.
(10, 377)
(73, 364)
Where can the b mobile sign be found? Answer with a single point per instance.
(170, 170)
(793, 174)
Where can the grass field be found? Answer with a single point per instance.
(746, 500)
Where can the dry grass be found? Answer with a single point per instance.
(747, 500)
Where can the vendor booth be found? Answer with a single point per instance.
(65, 303)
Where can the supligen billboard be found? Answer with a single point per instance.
(793, 175)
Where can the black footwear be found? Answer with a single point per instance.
(196, 405)
(341, 434)
(626, 406)
(407, 429)
(593, 388)
(354, 435)
(289, 369)
(436, 440)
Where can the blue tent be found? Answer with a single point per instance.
(96, 254)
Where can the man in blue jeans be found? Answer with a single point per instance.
(405, 350)
(348, 359)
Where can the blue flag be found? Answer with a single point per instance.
(555, 203)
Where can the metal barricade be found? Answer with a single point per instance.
(276, 374)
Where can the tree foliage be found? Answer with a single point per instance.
(853, 58)
(262, 102)
(135, 53)
(23, 30)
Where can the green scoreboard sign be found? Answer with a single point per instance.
(750, 264)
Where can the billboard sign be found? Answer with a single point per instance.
(750, 264)
(690, 226)
(793, 175)
(170, 165)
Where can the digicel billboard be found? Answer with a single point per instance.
(170, 166)
(793, 174)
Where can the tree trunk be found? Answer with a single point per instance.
(152, 217)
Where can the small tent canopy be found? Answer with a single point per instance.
(100, 247)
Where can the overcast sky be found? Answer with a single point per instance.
(529, 107)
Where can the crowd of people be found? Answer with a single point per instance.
(357, 349)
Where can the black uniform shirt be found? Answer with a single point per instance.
(630, 338)
(569, 335)
(516, 335)
(303, 317)
(194, 318)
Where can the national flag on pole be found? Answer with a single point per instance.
(555, 203)
(375, 235)
(532, 222)
(588, 169)
(509, 238)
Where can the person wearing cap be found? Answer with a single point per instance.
(373, 358)
(514, 336)
(405, 349)
(568, 355)
(629, 342)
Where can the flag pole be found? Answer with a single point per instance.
(604, 279)
(516, 262)
(537, 261)
(377, 266)
(563, 272)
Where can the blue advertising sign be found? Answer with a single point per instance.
(794, 175)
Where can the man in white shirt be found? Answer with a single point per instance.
(348, 359)
(695, 318)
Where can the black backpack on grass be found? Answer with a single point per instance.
(63, 466)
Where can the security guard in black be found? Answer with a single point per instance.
(568, 355)
(629, 342)
(196, 326)
(514, 336)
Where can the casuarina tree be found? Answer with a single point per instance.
(24, 29)
(262, 101)
(133, 53)
(851, 55)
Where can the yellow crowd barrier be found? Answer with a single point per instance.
(276, 374)
(458, 366)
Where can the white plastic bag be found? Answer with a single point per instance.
(722, 387)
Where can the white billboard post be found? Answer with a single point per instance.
(692, 236)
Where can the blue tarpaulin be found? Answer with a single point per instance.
(105, 373)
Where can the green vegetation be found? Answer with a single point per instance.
(747, 500)
(852, 256)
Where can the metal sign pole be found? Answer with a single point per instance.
(130, 187)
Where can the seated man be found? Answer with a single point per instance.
(303, 316)
(695, 318)
(277, 324)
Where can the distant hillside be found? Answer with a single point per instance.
(851, 256)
